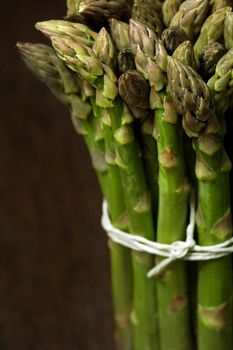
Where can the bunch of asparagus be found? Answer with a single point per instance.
(149, 85)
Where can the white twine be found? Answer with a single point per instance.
(179, 250)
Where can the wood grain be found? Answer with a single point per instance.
(54, 265)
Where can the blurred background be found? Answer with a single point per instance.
(54, 264)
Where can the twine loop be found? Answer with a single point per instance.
(179, 250)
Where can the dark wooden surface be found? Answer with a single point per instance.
(54, 274)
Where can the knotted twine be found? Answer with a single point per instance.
(178, 250)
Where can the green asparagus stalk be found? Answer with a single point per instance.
(47, 67)
(228, 143)
(45, 64)
(213, 214)
(185, 53)
(212, 31)
(173, 194)
(104, 50)
(134, 91)
(138, 102)
(120, 257)
(138, 201)
(191, 16)
(145, 334)
(221, 86)
(150, 160)
(170, 8)
(150, 59)
(139, 208)
(109, 129)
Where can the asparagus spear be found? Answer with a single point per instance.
(191, 16)
(82, 60)
(120, 36)
(44, 63)
(212, 31)
(172, 37)
(120, 257)
(133, 178)
(170, 8)
(77, 31)
(156, 6)
(138, 202)
(95, 13)
(134, 91)
(221, 82)
(185, 53)
(209, 57)
(139, 91)
(106, 8)
(219, 4)
(47, 67)
(127, 156)
(213, 215)
(86, 58)
(119, 33)
(127, 82)
(197, 107)
(72, 6)
(228, 143)
(104, 50)
(223, 96)
(150, 160)
(228, 31)
(150, 55)
(221, 85)
(149, 12)
(83, 50)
